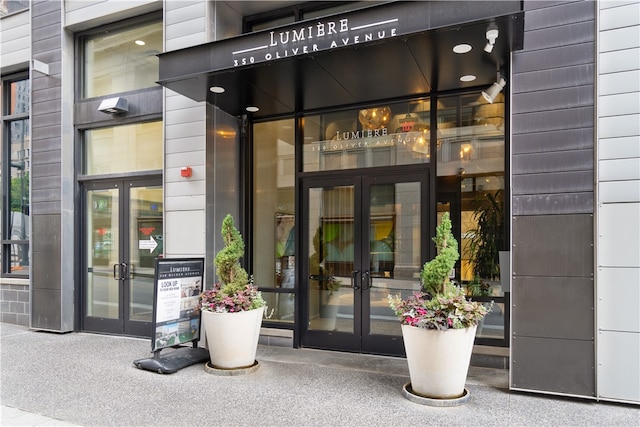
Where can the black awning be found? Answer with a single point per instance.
(389, 51)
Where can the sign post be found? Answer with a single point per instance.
(176, 315)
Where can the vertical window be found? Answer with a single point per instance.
(121, 59)
(273, 246)
(14, 176)
(471, 158)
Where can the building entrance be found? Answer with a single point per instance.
(363, 239)
(123, 234)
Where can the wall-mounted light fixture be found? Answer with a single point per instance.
(40, 67)
(114, 106)
(492, 91)
(492, 35)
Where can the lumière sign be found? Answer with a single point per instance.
(308, 38)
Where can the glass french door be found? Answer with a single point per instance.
(363, 239)
(123, 234)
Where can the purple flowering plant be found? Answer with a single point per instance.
(440, 304)
(450, 311)
(244, 299)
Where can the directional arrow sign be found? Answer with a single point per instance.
(150, 244)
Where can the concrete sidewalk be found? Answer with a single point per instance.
(83, 379)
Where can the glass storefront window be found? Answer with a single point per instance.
(120, 60)
(128, 148)
(274, 263)
(16, 167)
(385, 135)
(471, 152)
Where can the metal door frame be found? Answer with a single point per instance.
(362, 180)
(123, 325)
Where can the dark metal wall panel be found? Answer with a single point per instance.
(553, 99)
(553, 365)
(46, 311)
(45, 308)
(568, 315)
(545, 38)
(43, 157)
(541, 121)
(552, 320)
(553, 183)
(552, 246)
(533, 81)
(449, 12)
(563, 56)
(556, 140)
(575, 160)
(557, 13)
(552, 204)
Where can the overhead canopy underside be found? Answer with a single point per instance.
(412, 64)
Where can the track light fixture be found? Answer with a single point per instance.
(492, 91)
(492, 35)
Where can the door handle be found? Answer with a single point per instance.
(123, 271)
(354, 273)
(366, 280)
(131, 271)
(116, 271)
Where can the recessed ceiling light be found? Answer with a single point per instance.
(216, 89)
(140, 42)
(468, 78)
(462, 48)
(252, 109)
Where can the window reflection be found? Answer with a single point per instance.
(127, 148)
(274, 263)
(119, 60)
(383, 135)
(16, 211)
(471, 157)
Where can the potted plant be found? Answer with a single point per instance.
(438, 324)
(232, 311)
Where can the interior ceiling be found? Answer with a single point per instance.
(398, 67)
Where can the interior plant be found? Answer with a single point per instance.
(488, 236)
(233, 309)
(438, 324)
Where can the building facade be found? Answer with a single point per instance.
(336, 133)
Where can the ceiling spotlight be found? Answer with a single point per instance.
(492, 91)
(216, 89)
(462, 48)
(252, 109)
(492, 35)
(468, 78)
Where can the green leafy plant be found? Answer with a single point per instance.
(440, 304)
(234, 291)
(488, 236)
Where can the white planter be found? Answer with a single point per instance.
(438, 360)
(232, 338)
